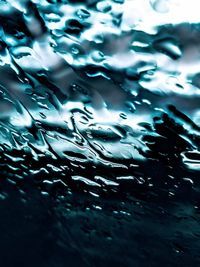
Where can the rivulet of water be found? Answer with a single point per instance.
(98, 89)
(100, 101)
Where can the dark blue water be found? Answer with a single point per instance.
(99, 133)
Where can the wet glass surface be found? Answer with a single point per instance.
(99, 133)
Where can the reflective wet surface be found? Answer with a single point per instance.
(99, 133)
